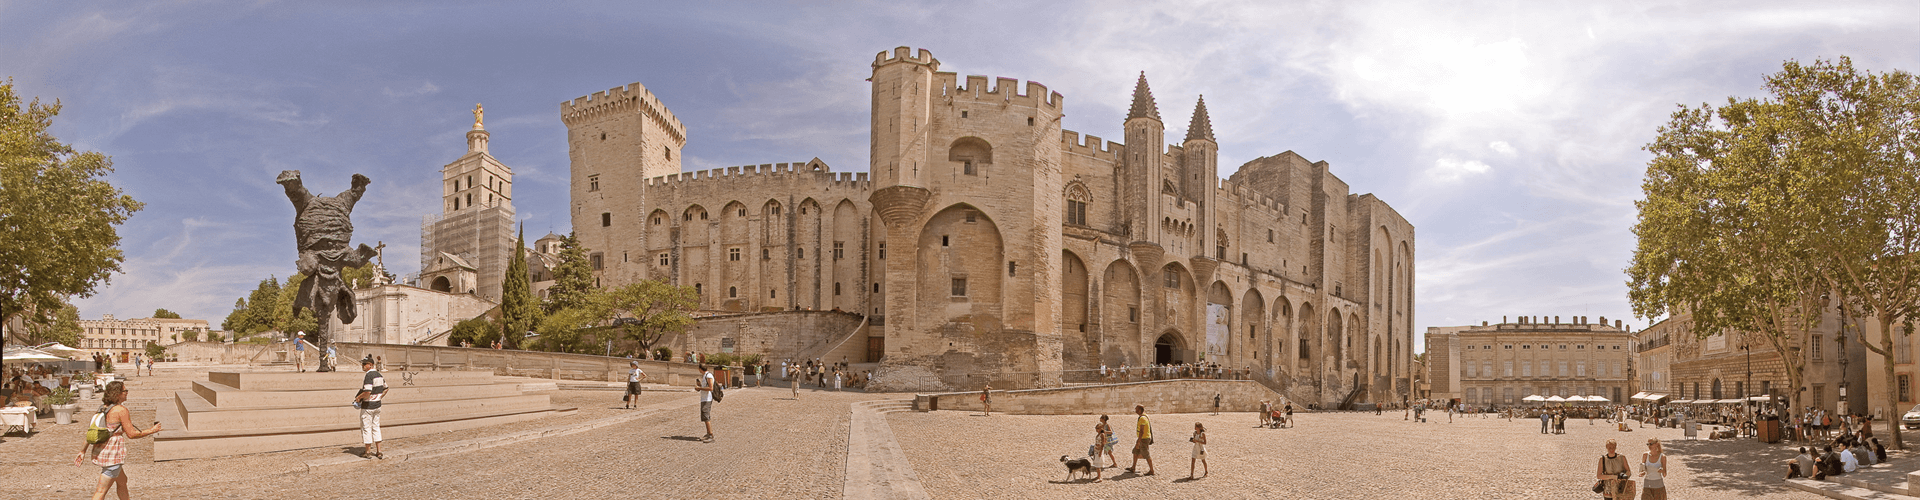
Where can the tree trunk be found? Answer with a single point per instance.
(1893, 386)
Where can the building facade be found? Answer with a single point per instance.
(1733, 365)
(466, 248)
(986, 243)
(1652, 363)
(1501, 364)
(124, 337)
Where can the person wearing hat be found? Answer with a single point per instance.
(300, 351)
(372, 387)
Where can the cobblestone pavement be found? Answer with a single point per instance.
(770, 446)
(1330, 455)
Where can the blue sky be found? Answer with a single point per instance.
(1509, 133)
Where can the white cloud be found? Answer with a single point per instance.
(1501, 147)
(1451, 170)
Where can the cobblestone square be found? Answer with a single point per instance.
(772, 446)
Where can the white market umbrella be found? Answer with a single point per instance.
(1598, 399)
(1556, 399)
(59, 349)
(26, 354)
(1534, 398)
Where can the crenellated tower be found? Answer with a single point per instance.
(1141, 176)
(616, 140)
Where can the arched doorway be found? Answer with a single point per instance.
(1167, 349)
(441, 284)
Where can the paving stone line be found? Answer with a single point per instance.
(876, 466)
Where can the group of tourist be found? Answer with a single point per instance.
(823, 375)
(1104, 442)
(1213, 371)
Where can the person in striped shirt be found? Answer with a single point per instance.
(372, 387)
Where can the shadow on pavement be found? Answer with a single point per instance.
(682, 438)
(1741, 466)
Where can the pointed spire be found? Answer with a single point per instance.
(1201, 127)
(1143, 106)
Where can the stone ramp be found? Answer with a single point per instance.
(1891, 480)
(241, 413)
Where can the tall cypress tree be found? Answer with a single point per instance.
(518, 310)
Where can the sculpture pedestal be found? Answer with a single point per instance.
(240, 413)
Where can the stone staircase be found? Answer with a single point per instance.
(887, 405)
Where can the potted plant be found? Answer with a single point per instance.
(63, 407)
(83, 382)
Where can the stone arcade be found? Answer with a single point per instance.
(988, 244)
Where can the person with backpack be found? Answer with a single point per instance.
(106, 442)
(704, 385)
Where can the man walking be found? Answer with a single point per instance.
(372, 387)
(1143, 441)
(300, 351)
(704, 385)
(1544, 417)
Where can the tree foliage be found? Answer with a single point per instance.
(57, 213)
(62, 326)
(359, 278)
(478, 330)
(519, 311)
(572, 277)
(165, 314)
(635, 316)
(1762, 213)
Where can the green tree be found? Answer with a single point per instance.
(190, 335)
(476, 330)
(1762, 213)
(1722, 235)
(564, 330)
(260, 308)
(62, 326)
(361, 277)
(572, 277)
(155, 351)
(646, 311)
(239, 315)
(57, 211)
(519, 311)
(165, 314)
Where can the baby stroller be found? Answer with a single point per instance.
(1278, 419)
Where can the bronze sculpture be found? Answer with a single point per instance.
(321, 230)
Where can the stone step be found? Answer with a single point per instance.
(311, 381)
(201, 419)
(1844, 491)
(227, 397)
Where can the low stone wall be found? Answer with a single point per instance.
(224, 353)
(1163, 396)
(537, 364)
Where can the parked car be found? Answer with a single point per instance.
(1912, 419)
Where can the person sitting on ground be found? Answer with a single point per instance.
(1848, 462)
(1829, 465)
(1800, 466)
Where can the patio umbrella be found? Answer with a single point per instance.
(1598, 399)
(59, 349)
(1556, 399)
(28, 354)
(1534, 398)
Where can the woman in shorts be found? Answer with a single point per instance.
(633, 385)
(112, 455)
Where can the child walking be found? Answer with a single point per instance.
(1199, 440)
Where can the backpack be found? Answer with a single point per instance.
(719, 392)
(97, 431)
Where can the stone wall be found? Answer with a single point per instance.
(558, 366)
(1160, 397)
(777, 335)
(217, 352)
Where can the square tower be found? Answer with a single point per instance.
(476, 222)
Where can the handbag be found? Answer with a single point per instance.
(1599, 486)
(623, 397)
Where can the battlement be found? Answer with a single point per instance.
(903, 54)
(1004, 91)
(809, 171)
(1231, 191)
(1094, 146)
(632, 98)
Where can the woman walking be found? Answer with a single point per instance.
(1107, 442)
(112, 455)
(986, 398)
(1613, 474)
(1653, 471)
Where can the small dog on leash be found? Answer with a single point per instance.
(1078, 466)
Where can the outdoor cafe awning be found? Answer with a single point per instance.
(1639, 395)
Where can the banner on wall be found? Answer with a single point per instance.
(1217, 332)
